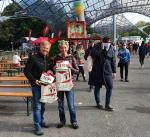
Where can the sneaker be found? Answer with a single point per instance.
(77, 80)
(121, 80)
(38, 132)
(99, 106)
(60, 125)
(75, 125)
(44, 125)
(108, 108)
(126, 80)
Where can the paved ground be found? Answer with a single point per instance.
(131, 117)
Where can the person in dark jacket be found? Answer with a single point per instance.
(142, 52)
(87, 57)
(35, 66)
(64, 56)
(103, 71)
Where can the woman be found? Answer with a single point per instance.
(64, 56)
(80, 60)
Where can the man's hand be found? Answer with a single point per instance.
(37, 82)
(49, 71)
(113, 75)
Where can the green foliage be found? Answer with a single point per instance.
(54, 50)
(11, 9)
(13, 30)
(136, 32)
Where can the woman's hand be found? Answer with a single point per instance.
(69, 65)
(54, 68)
(113, 75)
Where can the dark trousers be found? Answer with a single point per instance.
(108, 95)
(141, 59)
(122, 66)
(81, 70)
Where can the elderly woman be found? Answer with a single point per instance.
(64, 56)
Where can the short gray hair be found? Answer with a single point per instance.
(62, 43)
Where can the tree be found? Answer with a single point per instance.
(14, 30)
(137, 32)
(11, 9)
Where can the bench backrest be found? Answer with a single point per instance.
(5, 66)
(17, 78)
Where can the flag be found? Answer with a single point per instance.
(30, 33)
(46, 30)
(59, 33)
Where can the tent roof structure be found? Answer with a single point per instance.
(56, 12)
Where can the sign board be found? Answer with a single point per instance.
(76, 29)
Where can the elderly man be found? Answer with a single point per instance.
(35, 66)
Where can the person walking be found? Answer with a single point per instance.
(64, 56)
(80, 61)
(124, 61)
(35, 66)
(89, 60)
(103, 71)
(143, 50)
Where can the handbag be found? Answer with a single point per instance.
(48, 93)
(90, 63)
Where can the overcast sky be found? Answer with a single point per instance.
(135, 17)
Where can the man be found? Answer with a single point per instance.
(16, 60)
(124, 56)
(142, 51)
(64, 56)
(35, 66)
(103, 71)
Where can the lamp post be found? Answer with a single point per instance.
(12, 46)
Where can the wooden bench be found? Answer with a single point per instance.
(19, 79)
(8, 67)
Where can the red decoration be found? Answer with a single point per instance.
(41, 39)
(30, 33)
(46, 30)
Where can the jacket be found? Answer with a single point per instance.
(124, 56)
(36, 65)
(104, 65)
(143, 50)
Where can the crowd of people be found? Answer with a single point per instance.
(101, 62)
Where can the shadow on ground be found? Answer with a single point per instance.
(140, 109)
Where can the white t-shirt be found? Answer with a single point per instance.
(16, 59)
